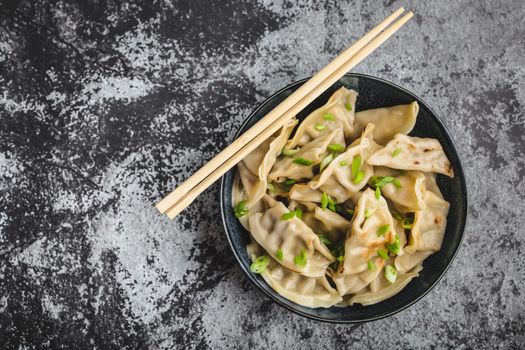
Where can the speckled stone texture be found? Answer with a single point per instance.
(106, 105)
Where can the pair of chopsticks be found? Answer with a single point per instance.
(186, 193)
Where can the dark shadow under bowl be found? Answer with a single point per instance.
(373, 93)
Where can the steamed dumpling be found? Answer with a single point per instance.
(413, 153)
(388, 121)
(348, 284)
(306, 291)
(410, 196)
(336, 114)
(292, 237)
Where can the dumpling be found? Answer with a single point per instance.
(306, 291)
(348, 284)
(292, 237)
(380, 289)
(312, 153)
(388, 121)
(407, 262)
(303, 192)
(337, 180)
(254, 168)
(336, 114)
(364, 240)
(429, 224)
(410, 196)
(413, 153)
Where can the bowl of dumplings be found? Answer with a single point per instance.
(354, 209)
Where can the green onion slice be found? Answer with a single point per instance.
(300, 260)
(378, 192)
(326, 160)
(340, 258)
(299, 213)
(371, 266)
(348, 106)
(260, 264)
(397, 183)
(397, 216)
(288, 216)
(343, 163)
(370, 212)
(336, 148)
(407, 223)
(383, 230)
(356, 165)
(240, 209)
(394, 247)
(271, 187)
(288, 184)
(324, 239)
(396, 152)
(324, 201)
(289, 152)
(350, 212)
(382, 253)
(390, 273)
(320, 127)
(331, 204)
(279, 254)
(359, 177)
(328, 116)
(302, 161)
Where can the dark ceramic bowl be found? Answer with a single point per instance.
(373, 93)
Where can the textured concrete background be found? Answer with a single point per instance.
(106, 105)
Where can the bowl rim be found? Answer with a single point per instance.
(463, 220)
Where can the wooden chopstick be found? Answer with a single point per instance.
(189, 190)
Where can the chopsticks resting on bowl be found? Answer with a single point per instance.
(186, 192)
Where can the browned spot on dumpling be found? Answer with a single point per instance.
(416, 162)
(427, 150)
(450, 170)
(438, 219)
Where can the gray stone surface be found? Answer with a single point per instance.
(105, 106)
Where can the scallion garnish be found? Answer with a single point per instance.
(370, 212)
(336, 148)
(240, 209)
(299, 213)
(260, 264)
(359, 177)
(397, 216)
(356, 165)
(397, 183)
(324, 239)
(288, 184)
(300, 260)
(371, 266)
(394, 247)
(320, 127)
(343, 163)
(378, 192)
(350, 212)
(302, 161)
(326, 160)
(340, 258)
(390, 273)
(382, 253)
(383, 230)
(324, 201)
(328, 116)
(271, 187)
(348, 106)
(288, 216)
(331, 204)
(289, 152)
(407, 223)
(396, 152)
(279, 255)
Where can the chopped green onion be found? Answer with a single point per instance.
(289, 152)
(324, 239)
(383, 230)
(324, 201)
(396, 152)
(371, 266)
(356, 165)
(326, 160)
(350, 211)
(337, 207)
(382, 253)
(279, 254)
(260, 264)
(359, 177)
(328, 116)
(343, 163)
(288, 184)
(300, 260)
(397, 183)
(394, 247)
(390, 273)
(302, 161)
(336, 148)
(378, 192)
(370, 212)
(340, 258)
(240, 209)
(320, 127)
(331, 204)
(407, 223)
(348, 106)
(271, 187)
(288, 216)
(384, 180)
(397, 216)
(299, 213)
